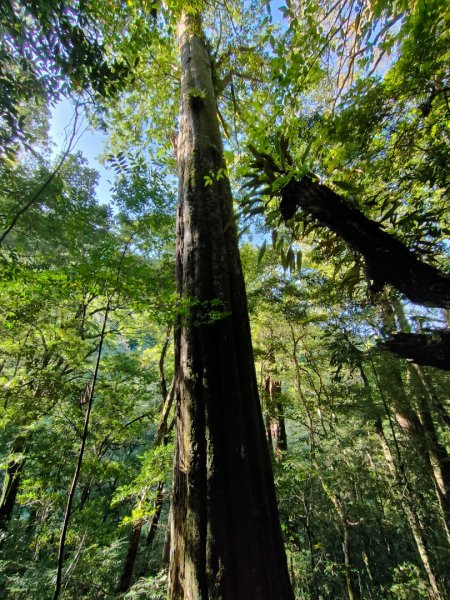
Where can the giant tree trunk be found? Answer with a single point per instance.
(226, 538)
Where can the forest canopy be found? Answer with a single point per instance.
(230, 380)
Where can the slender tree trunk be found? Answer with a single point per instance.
(439, 460)
(134, 540)
(313, 588)
(275, 426)
(343, 523)
(351, 588)
(408, 506)
(434, 399)
(314, 591)
(160, 438)
(421, 431)
(89, 393)
(157, 514)
(268, 426)
(130, 560)
(280, 429)
(226, 538)
(167, 541)
(11, 484)
(419, 426)
(88, 400)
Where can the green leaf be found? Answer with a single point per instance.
(345, 185)
(274, 237)
(299, 261)
(261, 252)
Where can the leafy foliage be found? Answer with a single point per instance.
(352, 93)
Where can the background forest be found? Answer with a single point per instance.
(335, 117)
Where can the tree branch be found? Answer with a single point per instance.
(388, 259)
(430, 349)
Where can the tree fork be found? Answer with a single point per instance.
(226, 538)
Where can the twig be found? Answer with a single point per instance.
(71, 144)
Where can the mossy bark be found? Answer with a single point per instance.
(388, 260)
(226, 538)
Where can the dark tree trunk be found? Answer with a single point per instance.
(130, 560)
(10, 488)
(388, 259)
(226, 538)
(157, 514)
(431, 349)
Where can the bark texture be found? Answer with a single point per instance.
(226, 539)
(430, 349)
(388, 259)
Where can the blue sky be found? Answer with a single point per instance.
(90, 144)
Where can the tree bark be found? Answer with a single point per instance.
(130, 560)
(11, 484)
(275, 426)
(431, 349)
(157, 514)
(388, 259)
(226, 538)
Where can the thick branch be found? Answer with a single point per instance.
(388, 259)
(431, 349)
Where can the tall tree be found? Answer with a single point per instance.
(223, 484)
